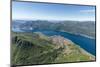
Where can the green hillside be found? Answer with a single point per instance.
(36, 48)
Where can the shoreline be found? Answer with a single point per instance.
(79, 34)
(84, 35)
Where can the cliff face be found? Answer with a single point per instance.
(36, 48)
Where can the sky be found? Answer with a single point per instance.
(45, 11)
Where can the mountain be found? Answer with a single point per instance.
(37, 48)
(86, 28)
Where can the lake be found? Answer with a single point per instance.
(84, 42)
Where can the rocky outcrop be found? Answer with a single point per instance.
(60, 41)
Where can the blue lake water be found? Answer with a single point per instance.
(84, 42)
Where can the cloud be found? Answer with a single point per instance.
(87, 11)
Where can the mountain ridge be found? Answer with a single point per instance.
(36, 48)
(86, 28)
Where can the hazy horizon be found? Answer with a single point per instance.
(56, 12)
(50, 20)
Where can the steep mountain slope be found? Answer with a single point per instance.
(36, 48)
(76, 27)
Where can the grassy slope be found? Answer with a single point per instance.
(33, 48)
